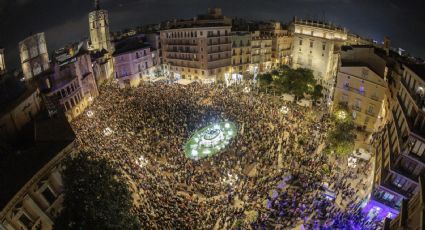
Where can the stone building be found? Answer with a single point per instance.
(34, 55)
(261, 52)
(241, 52)
(361, 84)
(31, 185)
(71, 83)
(316, 46)
(99, 29)
(412, 213)
(198, 49)
(133, 61)
(400, 146)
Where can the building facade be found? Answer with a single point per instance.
(361, 84)
(281, 49)
(72, 84)
(261, 52)
(2, 61)
(412, 213)
(99, 29)
(241, 52)
(34, 55)
(198, 49)
(133, 61)
(316, 46)
(400, 149)
(31, 194)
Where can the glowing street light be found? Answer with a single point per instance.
(90, 114)
(284, 110)
(107, 131)
(341, 114)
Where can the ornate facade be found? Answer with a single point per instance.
(34, 55)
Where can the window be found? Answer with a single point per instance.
(301, 42)
(388, 196)
(25, 221)
(311, 44)
(399, 182)
(323, 46)
(48, 195)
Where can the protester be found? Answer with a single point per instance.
(142, 131)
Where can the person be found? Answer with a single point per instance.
(150, 125)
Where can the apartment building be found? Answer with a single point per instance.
(261, 52)
(400, 148)
(316, 46)
(361, 84)
(281, 42)
(198, 49)
(133, 61)
(412, 213)
(241, 52)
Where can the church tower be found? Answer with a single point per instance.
(99, 29)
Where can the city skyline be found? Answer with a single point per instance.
(20, 18)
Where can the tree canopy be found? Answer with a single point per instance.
(298, 82)
(342, 136)
(95, 197)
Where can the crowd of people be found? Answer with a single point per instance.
(276, 157)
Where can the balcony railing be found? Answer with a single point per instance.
(409, 119)
(417, 98)
(356, 107)
(180, 44)
(355, 90)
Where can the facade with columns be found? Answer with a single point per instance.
(31, 194)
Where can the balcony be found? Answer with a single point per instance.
(218, 51)
(356, 108)
(182, 59)
(218, 35)
(181, 44)
(375, 98)
(415, 129)
(182, 51)
(416, 97)
(354, 90)
(218, 43)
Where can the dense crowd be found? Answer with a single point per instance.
(276, 158)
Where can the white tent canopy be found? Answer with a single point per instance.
(184, 81)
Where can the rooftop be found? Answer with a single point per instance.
(39, 142)
(13, 92)
(418, 69)
(129, 45)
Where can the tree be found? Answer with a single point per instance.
(95, 197)
(341, 138)
(317, 92)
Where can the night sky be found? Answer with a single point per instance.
(66, 21)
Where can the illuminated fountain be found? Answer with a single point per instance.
(210, 140)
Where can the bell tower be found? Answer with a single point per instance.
(99, 29)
